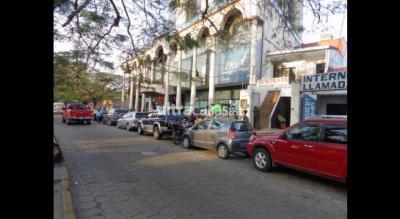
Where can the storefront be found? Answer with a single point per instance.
(324, 94)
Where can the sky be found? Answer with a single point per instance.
(337, 26)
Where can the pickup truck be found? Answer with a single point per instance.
(76, 112)
(160, 125)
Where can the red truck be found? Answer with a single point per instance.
(76, 112)
(318, 146)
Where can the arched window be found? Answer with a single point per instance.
(203, 58)
(233, 58)
(159, 66)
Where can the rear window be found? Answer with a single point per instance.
(241, 126)
(77, 107)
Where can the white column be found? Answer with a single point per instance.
(123, 92)
(131, 92)
(150, 103)
(211, 80)
(253, 53)
(295, 103)
(179, 86)
(143, 102)
(166, 97)
(193, 83)
(137, 97)
(152, 72)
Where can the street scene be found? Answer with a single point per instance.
(119, 174)
(200, 109)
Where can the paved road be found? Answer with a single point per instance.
(120, 174)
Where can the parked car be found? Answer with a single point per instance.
(58, 108)
(317, 145)
(98, 115)
(76, 112)
(160, 124)
(225, 136)
(113, 115)
(130, 120)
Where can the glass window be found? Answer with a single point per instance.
(307, 132)
(236, 94)
(335, 134)
(203, 125)
(217, 124)
(140, 115)
(241, 126)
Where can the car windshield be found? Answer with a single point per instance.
(77, 107)
(241, 126)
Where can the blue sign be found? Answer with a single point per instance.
(309, 106)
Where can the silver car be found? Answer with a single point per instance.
(225, 136)
(130, 120)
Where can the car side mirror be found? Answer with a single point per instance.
(282, 136)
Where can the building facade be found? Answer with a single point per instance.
(257, 68)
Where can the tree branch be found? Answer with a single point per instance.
(77, 11)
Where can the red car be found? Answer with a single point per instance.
(77, 112)
(317, 146)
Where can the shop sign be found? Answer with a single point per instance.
(324, 82)
(309, 106)
(281, 82)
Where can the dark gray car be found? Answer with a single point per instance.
(225, 136)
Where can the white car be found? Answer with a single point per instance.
(130, 120)
(58, 108)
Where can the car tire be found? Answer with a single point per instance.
(128, 128)
(223, 151)
(184, 122)
(156, 133)
(186, 142)
(67, 121)
(262, 160)
(140, 131)
(89, 122)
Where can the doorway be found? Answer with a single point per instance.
(282, 108)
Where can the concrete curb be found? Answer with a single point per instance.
(68, 206)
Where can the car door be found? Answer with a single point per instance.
(198, 133)
(212, 134)
(147, 123)
(331, 152)
(297, 149)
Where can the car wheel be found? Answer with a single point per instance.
(156, 132)
(186, 142)
(184, 123)
(223, 151)
(140, 130)
(262, 160)
(128, 128)
(88, 122)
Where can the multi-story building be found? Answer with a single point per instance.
(311, 80)
(225, 68)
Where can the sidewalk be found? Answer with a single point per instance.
(63, 208)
